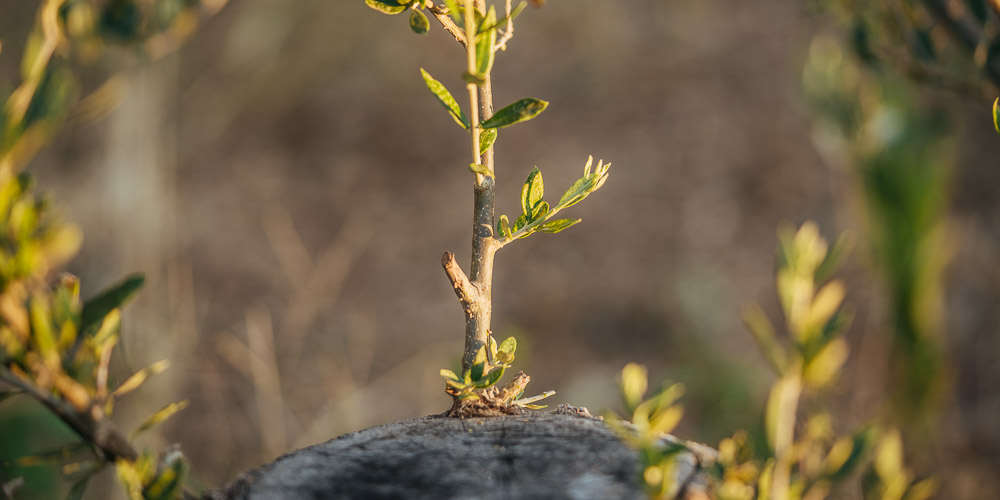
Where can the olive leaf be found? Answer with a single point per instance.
(445, 98)
(419, 23)
(522, 110)
(391, 7)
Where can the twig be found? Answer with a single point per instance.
(509, 32)
(442, 15)
(98, 432)
(464, 289)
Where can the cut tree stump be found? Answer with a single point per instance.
(561, 454)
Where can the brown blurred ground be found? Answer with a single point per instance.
(288, 185)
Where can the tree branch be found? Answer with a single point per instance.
(464, 289)
(442, 15)
(98, 432)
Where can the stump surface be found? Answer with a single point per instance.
(537, 455)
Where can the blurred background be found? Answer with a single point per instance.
(288, 186)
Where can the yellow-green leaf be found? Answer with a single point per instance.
(95, 309)
(132, 383)
(996, 115)
(158, 417)
(485, 42)
(532, 192)
(419, 23)
(390, 7)
(445, 98)
(486, 139)
(522, 110)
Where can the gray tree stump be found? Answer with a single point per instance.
(536, 455)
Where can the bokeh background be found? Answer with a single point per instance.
(288, 186)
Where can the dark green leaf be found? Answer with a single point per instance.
(520, 222)
(524, 109)
(485, 42)
(76, 492)
(491, 378)
(508, 346)
(445, 98)
(554, 226)
(95, 309)
(486, 138)
(419, 23)
(532, 192)
(477, 371)
(391, 7)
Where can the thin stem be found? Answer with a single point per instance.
(470, 53)
(97, 432)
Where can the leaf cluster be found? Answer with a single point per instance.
(537, 215)
(650, 420)
(480, 380)
(150, 477)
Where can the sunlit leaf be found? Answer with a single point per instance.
(132, 383)
(486, 139)
(449, 375)
(158, 417)
(95, 309)
(556, 225)
(525, 402)
(996, 115)
(476, 168)
(503, 227)
(485, 42)
(531, 192)
(455, 12)
(169, 483)
(445, 98)
(634, 383)
(840, 249)
(822, 369)
(419, 22)
(391, 7)
(509, 345)
(522, 110)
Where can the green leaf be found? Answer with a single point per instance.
(449, 375)
(158, 417)
(445, 98)
(473, 78)
(834, 257)
(132, 383)
(590, 182)
(419, 23)
(996, 114)
(520, 222)
(76, 492)
(476, 372)
(391, 7)
(504, 358)
(531, 192)
(508, 346)
(481, 169)
(554, 226)
(503, 227)
(540, 210)
(492, 378)
(522, 110)
(486, 139)
(95, 309)
(453, 11)
(485, 42)
(169, 483)
(506, 19)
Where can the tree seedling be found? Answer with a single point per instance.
(480, 30)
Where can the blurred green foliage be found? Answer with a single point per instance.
(901, 155)
(54, 347)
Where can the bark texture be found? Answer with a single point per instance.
(537, 455)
